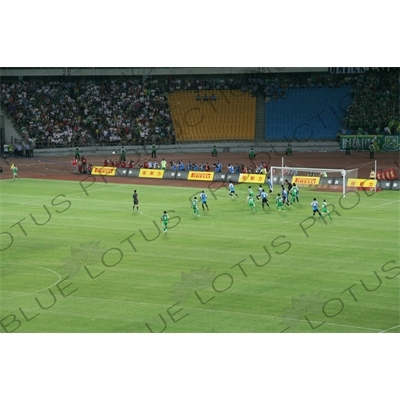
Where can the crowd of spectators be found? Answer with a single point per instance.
(85, 112)
(178, 165)
(375, 102)
(73, 112)
(80, 164)
(21, 149)
(274, 87)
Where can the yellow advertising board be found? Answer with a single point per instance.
(200, 176)
(109, 171)
(252, 178)
(151, 173)
(306, 180)
(361, 183)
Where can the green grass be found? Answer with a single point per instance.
(252, 272)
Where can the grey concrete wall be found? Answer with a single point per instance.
(228, 147)
(10, 132)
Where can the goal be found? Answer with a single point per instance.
(321, 178)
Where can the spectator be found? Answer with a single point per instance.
(348, 147)
(123, 154)
(5, 151)
(18, 150)
(74, 163)
(371, 151)
(153, 151)
(84, 164)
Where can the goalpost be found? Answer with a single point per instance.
(332, 178)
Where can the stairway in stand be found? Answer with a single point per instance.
(260, 119)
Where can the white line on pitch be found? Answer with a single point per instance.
(393, 327)
(385, 204)
(36, 291)
(147, 215)
(227, 312)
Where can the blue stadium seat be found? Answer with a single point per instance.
(307, 114)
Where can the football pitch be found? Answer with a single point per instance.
(75, 257)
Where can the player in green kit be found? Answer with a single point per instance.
(195, 208)
(297, 191)
(324, 209)
(294, 194)
(279, 203)
(164, 220)
(15, 171)
(251, 193)
(250, 201)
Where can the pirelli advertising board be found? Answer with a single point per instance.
(306, 180)
(200, 176)
(108, 171)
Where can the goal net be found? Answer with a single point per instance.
(321, 178)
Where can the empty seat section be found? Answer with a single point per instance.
(307, 114)
(231, 117)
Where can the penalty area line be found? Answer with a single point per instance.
(386, 204)
(387, 330)
(145, 215)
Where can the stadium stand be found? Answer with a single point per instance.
(62, 112)
(232, 116)
(307, 113)
(375, 103)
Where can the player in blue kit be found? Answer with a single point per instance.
(260, 189)
(315, 208)
(203, 198)
(232, 189)
(264, 198)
